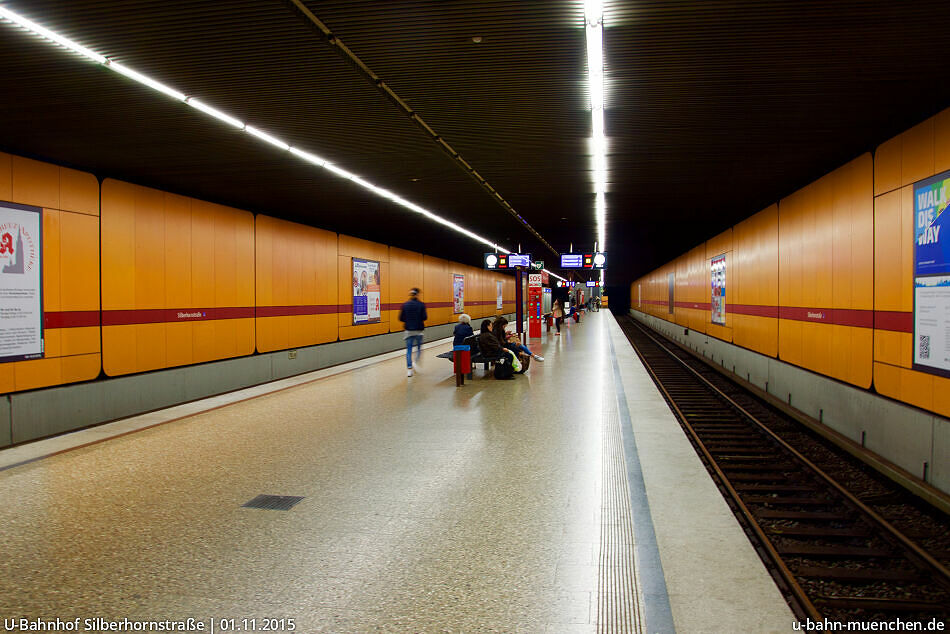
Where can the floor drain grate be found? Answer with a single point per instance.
(273, 502)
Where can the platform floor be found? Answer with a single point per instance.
(565, 500)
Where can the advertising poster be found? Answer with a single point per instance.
(671, 282)
(932, 275)
(717, 270)
(21, 282)
(458, 293)
(499, 298)
(366, 306)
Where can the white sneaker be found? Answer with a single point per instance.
(538, 357)
(409, 372)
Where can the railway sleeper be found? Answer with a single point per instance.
(869, 575)
(842, 552)
(880, 604)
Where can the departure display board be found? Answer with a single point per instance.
(596, 260)
(501, 261)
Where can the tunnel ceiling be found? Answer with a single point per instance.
(714, 110)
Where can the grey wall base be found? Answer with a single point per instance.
(906, 436)
(40, 413)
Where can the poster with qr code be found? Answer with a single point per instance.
(932, 275)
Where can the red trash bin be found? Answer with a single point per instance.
(462, 359)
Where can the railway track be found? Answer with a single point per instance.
(841, 542)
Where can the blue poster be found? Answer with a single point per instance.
(932, 275)
(931, 242)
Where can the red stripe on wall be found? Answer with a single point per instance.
(285, 311)
(173, 315)
(893, 320)
(838, 316)
(753, 310)
(693, 305)
(71, 319)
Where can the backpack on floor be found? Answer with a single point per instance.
(503, 369)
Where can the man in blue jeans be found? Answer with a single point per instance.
(413, 315)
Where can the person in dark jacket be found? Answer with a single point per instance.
(413, 315)
(463, 330)
(488, 343)
(512, 343)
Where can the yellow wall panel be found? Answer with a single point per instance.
(754, 274)
(348, 248)
(79, 278)
(889, 282)
(70, 244)
(30, 375)
(79, 192)
(296, 284)
(887, 166)
(942, 142)
(406, 270)
(52, 260)
(35, 183)
(83, 367)
(6, 177)
(917, 152)
(173, 268)
(438, 284)
(825, 263)
(921, 152)
(84, 340)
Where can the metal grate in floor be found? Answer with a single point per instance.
(273, 502)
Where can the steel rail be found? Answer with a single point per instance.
(942, 572)
(787, 577)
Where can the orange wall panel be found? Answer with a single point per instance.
(722, 244)
(177, 278)
(70, 252)
(826, 285)
(296, 279)
(438, 285)
(754, 275)
(406, 272)
(916, 154)
(347, 249)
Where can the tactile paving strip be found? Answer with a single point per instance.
(619, 597)
(273, 502)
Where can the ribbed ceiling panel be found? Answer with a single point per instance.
(714, 109)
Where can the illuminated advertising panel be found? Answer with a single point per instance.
(932, 275)
(458, 293)
(366, 306)
(717, 270)
(21, 283)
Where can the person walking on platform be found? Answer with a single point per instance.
(558, 312)
(413, 316)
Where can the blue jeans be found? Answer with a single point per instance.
(409, 341)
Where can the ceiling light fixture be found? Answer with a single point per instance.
(18, 20)
(594, 27)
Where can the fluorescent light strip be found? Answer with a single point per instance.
(56, 38)
(6, 14)
(594, 27)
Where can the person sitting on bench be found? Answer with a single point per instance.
(463, 330)
(510, 340)
(488, 343)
